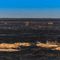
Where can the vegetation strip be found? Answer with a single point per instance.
(9, 50)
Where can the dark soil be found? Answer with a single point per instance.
(31, 54)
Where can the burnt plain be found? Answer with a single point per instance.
(30, 30)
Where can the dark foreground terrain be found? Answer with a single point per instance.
(30, 30)
(31, 54)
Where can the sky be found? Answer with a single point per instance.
(29, 8)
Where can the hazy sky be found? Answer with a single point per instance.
(29, 8)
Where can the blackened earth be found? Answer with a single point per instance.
(31, 54)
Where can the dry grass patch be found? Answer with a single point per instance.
(52, 43)
(58, 48)
(46, 45)
(23, 44)
(9, 50)
(4, 45)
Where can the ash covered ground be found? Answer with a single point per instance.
(30, 30)
(30, 54)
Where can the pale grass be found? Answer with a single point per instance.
(54, 46)
(46, 45)
(15, 45)
(4, 45)
(58, 48)
(9, 50)
(23, 44)
(52, 43)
